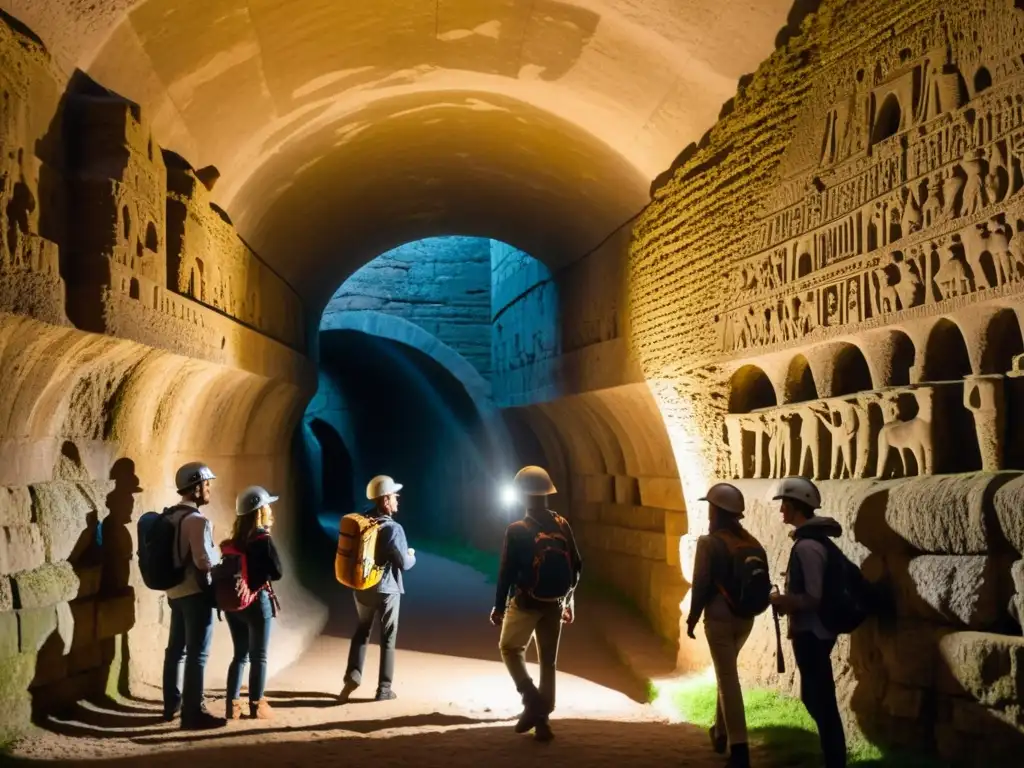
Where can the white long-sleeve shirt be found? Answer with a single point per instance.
(195, 551)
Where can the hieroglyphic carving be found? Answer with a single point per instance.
(919, 160)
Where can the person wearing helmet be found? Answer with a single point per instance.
(540, 569)
(250, 627)
(190, 602)
(383, 599)
(805, 580)
(726, 632)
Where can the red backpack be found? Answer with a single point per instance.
(230, 579)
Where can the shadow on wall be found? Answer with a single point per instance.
(78, 620)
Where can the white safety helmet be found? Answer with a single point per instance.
(192, 474)
(251, 499)
(726, 497)
(799, 489)
(534, 481)
(381, 485)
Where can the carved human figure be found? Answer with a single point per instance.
(909, 287)
(932, 209)
(734, 433)
(771, 431)
(809, 441)
(951, 277)
(984, 397)
(774, 325)
(785, 461)
(807, 314)
(913, 435)
(842, 439)
(993, 178)
(951, 189)
(975, 168)
(885, 294)
(974, 243)
(756, 425)
(910, 222)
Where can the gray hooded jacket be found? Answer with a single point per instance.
(805, 575)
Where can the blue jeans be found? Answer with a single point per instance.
(250, 633)
(188, 644)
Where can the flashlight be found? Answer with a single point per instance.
(509, 495)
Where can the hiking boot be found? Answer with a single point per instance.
(234, 709)
(543, 731)
(347, 690)
(718, 743)
(739, 757)
(261, 710)
(527, 720)
(171, 712)
(201, 721)
(385, 694)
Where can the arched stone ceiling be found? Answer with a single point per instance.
(490, 115)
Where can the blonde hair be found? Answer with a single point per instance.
(246, 525)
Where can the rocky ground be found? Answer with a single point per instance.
(455, 706)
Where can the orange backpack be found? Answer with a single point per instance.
(355, 564)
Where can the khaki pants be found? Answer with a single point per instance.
(725, 639)
(517, 628)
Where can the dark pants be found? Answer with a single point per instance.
(250, 634)
(517, 628)
(188, 643)
(368, 606)
(818, 693)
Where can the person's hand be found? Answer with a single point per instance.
(568, 614)
(689, 632)
(496, 617)
(412, 552)
(778, 602)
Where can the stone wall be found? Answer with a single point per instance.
(829, 284)
(441, 284)
(113, 378)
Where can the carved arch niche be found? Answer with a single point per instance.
(1001, 342)
(750, 390)
(891, 355)
(799, 384)
(850, 372)
(945, 355)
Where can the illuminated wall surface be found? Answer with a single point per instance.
(826, 280)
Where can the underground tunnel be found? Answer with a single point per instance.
(648, 246)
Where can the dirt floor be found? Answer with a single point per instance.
(455, 708)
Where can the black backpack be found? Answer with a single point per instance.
(747, 586)
(552, 567)
(847, 598)
(158, 535)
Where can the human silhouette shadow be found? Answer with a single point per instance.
(117, 539)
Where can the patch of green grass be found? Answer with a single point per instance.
(778, 723)
(461, 552)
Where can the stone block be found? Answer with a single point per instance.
(971, 591)
(910, 654)
(988, 667)
(115, 616)
(946, 514)
(66, 517)
(15, 506)
(662, 492)
(903, 702)
(35, 625)
(21, 548)
(1008, 502)
(84, 614)
(1017, 576)
(90, 580)
(6, 594)
(85, 658)
(16, 674)
(9, 643)
(47, 585)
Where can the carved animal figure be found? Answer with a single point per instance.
(734, 433)
(909, 287)
(809, 441)
(885, 294)
(951, 277)
(914, 435)
(975, 241)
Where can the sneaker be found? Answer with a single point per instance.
(347, 690)
(201, 721)
(543, 732)
(385, 694)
